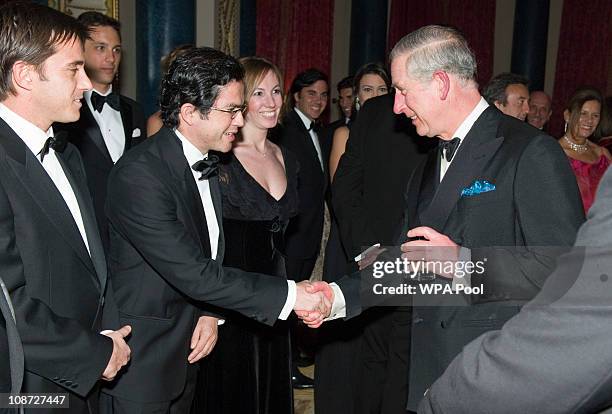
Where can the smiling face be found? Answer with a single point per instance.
(517, 101)
(416, 100)
(56, 94)
(584, 125)
(312, 99)
(102, 56)
(539, 109)
(345, 101)
(265, 103)
(217, 130)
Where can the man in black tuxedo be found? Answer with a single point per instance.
(51, 256)
(166, 239)
(487, 191)
(110, 123)
(307, 101)
(345, 105)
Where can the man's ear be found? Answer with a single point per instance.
(296, 97)
(498, 105)
(443, 83)
(188, 112)
(22, 75)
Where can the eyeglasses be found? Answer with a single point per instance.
(234, 111)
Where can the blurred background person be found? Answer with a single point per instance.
(249, 371)
(588, 160)
(154, 122)
(371, 80)
(345, 99)
(509, 93)
(300, 132)
(540, 109)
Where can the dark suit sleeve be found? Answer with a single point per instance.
(144, 211)
(548, 215)
(347, 186)
(55, 347)
(555, 355)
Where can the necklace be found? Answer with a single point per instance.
(576, 147)
(263, 154)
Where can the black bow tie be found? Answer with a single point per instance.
(98, 101)
(57, 142)
(314, 126)
(208, 167)
(448, 148)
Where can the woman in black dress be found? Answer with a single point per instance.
(248, 372)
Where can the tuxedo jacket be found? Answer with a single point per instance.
(86, 136)
(304, 232)
(161, 266)
(555, 355)
(11, 350)
(535, 203)
(367, 192)
(55, 285)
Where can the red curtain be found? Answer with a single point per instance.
(295, 34)
(475, 18)
(585, 54)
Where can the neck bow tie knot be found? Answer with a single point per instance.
(208, 167)
(57, 142)
(98, 101)
(448, 148)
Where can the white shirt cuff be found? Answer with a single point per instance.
(338, 309)
(290, 302)
(465, 256)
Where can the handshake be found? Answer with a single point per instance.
(313, 302)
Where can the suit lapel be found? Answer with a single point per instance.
(38, 184)
(126, 119)
(475, 152)
(172, 152)
(69, 163)
(90, 127)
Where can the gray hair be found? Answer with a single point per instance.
(433, 48)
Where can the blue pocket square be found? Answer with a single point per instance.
(478, 187)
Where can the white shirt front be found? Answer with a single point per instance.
(194, 155)
(313, 135)
(35, 138)
(111, 125)
(462, 131)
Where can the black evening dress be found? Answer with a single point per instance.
(248, 372)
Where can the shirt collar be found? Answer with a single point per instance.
(304, 118)
(30, 134)
(469, 121)
(192, 154)
(87, 94)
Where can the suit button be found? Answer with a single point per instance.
(74, 385)
(61, 381)
(68, 383)
(55, 378)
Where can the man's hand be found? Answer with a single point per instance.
(310, 300)
(121, 352)
(204, 338)
(433, 247)
(314, 318)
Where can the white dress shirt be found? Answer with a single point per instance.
(35, 139)
(339, 305)
(462, 131)
(194, 155)
(313, 135)
(110, 124)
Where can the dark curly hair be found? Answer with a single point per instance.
(196, 78)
